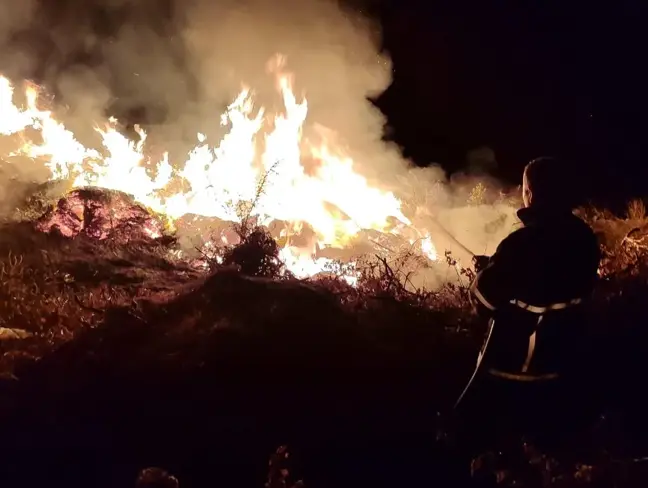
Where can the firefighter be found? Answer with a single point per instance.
(533, 291)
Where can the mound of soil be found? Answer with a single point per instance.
(229, 369)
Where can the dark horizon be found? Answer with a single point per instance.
(529, 80)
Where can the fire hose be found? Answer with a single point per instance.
(453, 238)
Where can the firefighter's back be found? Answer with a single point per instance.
(559, 258)
(535, 289)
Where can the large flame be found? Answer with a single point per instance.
(259, 161)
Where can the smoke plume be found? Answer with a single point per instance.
(174, 65)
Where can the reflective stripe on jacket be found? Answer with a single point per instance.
(532, 288)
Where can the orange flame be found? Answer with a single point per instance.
(334, 199)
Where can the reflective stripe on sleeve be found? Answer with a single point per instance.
(547, 308)
(522, 377)
(530, 351)
(482, 299)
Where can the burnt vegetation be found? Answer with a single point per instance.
(111, 344)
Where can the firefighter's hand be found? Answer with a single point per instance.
(480, 262)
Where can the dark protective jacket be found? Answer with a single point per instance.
(534, 288)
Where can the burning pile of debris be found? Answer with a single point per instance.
(101, 214)
(112, 218)
(74, 257)
(268, 175)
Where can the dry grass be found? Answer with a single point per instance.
(624, 239)
(53, 288)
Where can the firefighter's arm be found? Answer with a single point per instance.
(494, 284)
(479, 263)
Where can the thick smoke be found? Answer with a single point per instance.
(175, 65)
(335, 56)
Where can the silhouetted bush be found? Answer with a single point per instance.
(256, 255)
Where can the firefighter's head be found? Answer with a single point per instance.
(544, 184)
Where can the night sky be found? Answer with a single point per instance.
(526, 79)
